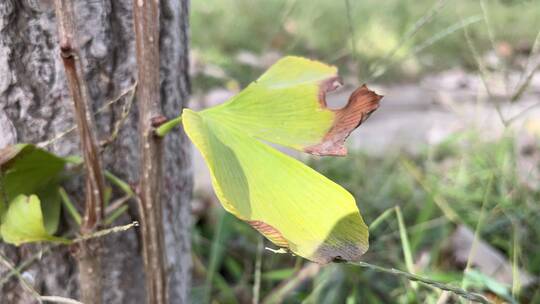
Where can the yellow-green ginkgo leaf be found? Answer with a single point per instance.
(287, 106)
(291, 204)
(23, 222)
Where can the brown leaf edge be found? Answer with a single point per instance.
(270, 233)
(327, 251)
(361, 104)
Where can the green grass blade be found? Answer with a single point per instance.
(477, 230)
(381, 218)
(405, 246)
(221, 233)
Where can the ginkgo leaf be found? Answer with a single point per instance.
(23, 222)
(291, 204)
(287, 106)
(26, 169)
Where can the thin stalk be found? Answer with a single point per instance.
(525, 78)
(88, 257)
(433, 39)
(70, 207)
(100, 110)
(26, 263)
(484, 74)
(115, 214)
(258, 267)
(146, 23)
(101, 233)
(60, 300)
(125, 187)
(26, 285)
(445, 207)
(378, 67)
(351, 29)
(406, 247)
(380, 219)
(471, 296)
(516, 284)
(167, 127)
(477, 231)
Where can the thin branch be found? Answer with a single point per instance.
(126, 109)
(61, 300)
(117, 204)
(4, 260)
(89, 260)
(471, 296)
(146, 23)
(102, 109)
(26, 263)
(85, 124)
(524, 81)
(104, 232)
(484, 75)
(522, 112)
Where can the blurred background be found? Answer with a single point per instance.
(446, 173)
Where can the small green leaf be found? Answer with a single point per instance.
(26, 169)
(291, 204)
(23, 222)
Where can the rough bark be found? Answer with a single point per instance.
(35, 100)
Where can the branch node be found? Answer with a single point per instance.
(66, 49)
(157, 121)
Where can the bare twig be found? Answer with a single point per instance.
(117, 204)
(126, 108)
(26, 263)
(129, 90)
(4, 260)
(146, 22)
(102, 233)
(39, 298)
(89, 260)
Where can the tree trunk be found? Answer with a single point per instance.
(34, 100)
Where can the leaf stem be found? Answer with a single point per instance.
(70, 206)
(165, 128)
